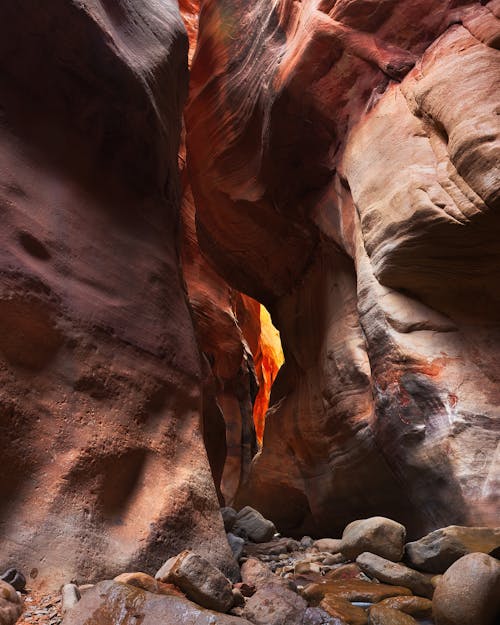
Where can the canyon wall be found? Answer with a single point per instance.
(343, 157)
(103, 464)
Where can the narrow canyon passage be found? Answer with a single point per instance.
(248, 298)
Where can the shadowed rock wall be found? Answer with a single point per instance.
(343, 158)
(103, 465)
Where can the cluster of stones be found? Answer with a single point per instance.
(370, 576)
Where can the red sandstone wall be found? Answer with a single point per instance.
(343, 160)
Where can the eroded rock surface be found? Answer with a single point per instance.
(103, 463)
(343, 160)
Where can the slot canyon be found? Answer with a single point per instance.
(250, 312)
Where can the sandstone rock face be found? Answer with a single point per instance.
(437, 551)
(395, 573)
(10, 604)
(469, 592)
(343, 158)
(109, 602)
(377, 535)
(103, 463)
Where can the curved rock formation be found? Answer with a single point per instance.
(103, 465)
(343, 157)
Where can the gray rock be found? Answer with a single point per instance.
(254, 525)
(201, 582)
(228, 517)
(237, 544)
(109, 603)
(378, 535)
(396, 574)
(437, 551)
(469, 592)
(70, 596)
(306, 542)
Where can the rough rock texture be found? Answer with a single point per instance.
(103, 464)
(343, 160)
(273, 603)
(201, 582)
(253, 525)
(469, 592)
(437, 551)
(110, 602)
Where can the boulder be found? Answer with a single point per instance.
(146, 582)
(254, 525)
(344, 610)
(395, 573)
(236, 543)
(202, 582)
(111, 602)
(317, 616)
(438, 550)
(348, 571)
(352, 590)
(273, 603)
(228, 517)
(419, 607)
(377, 535)
(469, 592)
(329, 545)
(274, 547)
(381, 615)
(10, 604)
(70, 596)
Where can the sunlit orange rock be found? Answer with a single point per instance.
(343, 159)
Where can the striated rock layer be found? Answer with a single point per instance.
(103, 464)
(343, 158)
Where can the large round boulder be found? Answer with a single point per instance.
(378, 535)
(469, 592)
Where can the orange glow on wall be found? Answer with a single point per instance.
(268, 360)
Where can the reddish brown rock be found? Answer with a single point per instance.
(103, 464)
(342, 159)
(11, 605)
(353, 590)
(109, 602)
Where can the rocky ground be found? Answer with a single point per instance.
(370, 576)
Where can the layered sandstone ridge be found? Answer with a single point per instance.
(103, 464)
(343, 158)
